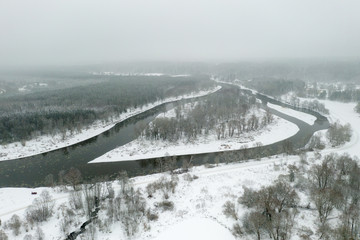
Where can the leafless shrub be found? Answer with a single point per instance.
(41, 209)
(164, 185)
(39, 234)
(76, 200)
(229, 210)
(249, 197)
(14, 224)
(73, 177)
(151, 216)
(3, 235)
(188, 177)
(305, 233)
(27, 237)
(339, 134)
(236, 230)
(165, 205)
(129, 208)
(315, 143)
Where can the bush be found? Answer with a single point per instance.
(188, 177)
(164, 185)
(165, 205)
(152, 216)
(3, 235)
(15, 224)
(357, 108)
(27, 237)
(39, 234)
(41, 209)
(339, 134)
(236, 230)
(316, 143)
(229, 210)
(249, 198)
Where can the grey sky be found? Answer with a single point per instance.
(89, 31)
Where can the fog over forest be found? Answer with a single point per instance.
(43, 32)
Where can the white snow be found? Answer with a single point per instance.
(196, 228)
(279, 130)
(48, 143)
(201, 200)
(180, 75)
(344, 113)
(308, 118)
(198, 204)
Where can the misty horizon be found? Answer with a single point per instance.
(89, 32)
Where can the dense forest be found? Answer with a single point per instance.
(228, 114)
(349, 95)
(275, 87)
(50, 112)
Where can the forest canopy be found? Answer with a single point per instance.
(23, 117)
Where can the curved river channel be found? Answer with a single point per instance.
(31, 171)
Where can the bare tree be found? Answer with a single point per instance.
(229, 210)
(73, 177)
(254, 223)
(39, 234)
(323, 175)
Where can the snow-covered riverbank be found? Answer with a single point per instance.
(279, 130)
(199, 201)
(308, 118)
(47, 143)
(344, 113)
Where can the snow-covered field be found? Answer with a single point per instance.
(198, 204)
(308, 118)
(196, 228)
(48, 143)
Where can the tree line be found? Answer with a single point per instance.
(58, 111)
(275, 86)
(227, 114)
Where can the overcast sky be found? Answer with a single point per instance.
(93, 31)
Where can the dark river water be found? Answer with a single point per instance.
(31, 171)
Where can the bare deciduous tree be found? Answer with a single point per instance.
(73, 177)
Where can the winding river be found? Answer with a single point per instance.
(31, 171)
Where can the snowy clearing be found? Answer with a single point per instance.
(47, 143)
(196, 228)
(308, 118)
(279, 130)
